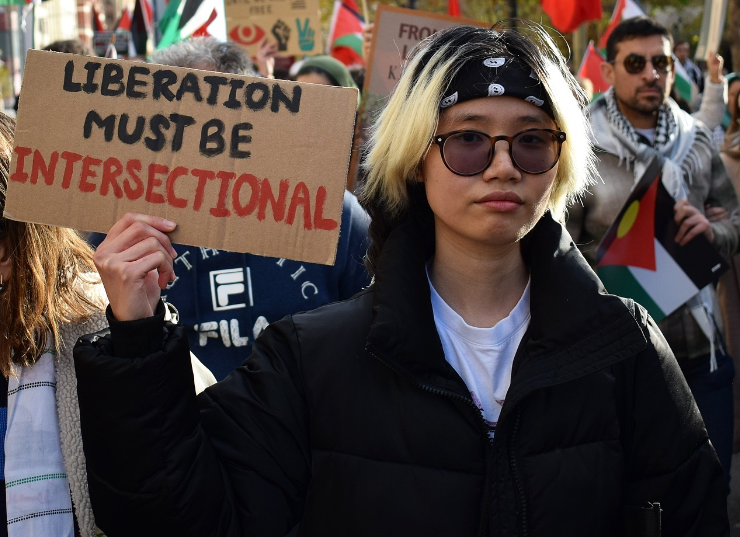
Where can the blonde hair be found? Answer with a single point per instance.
(401, 136)
(49, 265)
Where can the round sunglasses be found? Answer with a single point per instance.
(635, 63)
(469, 152)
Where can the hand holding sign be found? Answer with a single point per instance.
(135, 261)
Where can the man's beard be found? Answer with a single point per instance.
(645, 107)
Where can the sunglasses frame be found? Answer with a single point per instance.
(645, 59)
(441, 138)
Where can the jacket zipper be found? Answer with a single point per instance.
(479, 413)
(516, 476)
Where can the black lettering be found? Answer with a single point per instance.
(215, 82)
(293, 105)
(69, 71)
(391, 73)
(161, 82)
(249, 95)
(238, 138)
(180, 121)
(157, 124)
(216, 138)
(108, 124)
(233, 102)
(112, 75)
(124, 135)
(90, 86)
(189, 84)
(132, 83)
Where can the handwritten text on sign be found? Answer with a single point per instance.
(243, 164)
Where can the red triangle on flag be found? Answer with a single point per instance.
(591, 68)
(634, 242)
(453, 8)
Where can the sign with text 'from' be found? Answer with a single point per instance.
(241, 164)
(294, 25)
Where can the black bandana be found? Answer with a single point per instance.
(493, 77)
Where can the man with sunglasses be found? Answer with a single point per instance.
(634, 122)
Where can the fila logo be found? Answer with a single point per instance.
(228, 289)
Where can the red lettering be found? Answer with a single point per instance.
(88, 173)
(153, 182)
(172, 199)
(301, 197)
(19, 175)
(220, 209)
(244, 210)
(278, 206)
(71, 159)
(319, 222)
(203, 177)
(133, 168)
(39, 166)
(112, 168)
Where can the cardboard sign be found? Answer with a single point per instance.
(241, 164)
(295, 25)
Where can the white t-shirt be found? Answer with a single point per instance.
(647, 133)
(482, 356)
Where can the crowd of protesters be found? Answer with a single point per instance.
(460, 370)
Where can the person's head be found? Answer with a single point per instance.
(499, 83)
(325, 70)
(682, 50)
(40, 267)
(733, 90)
(70, 46)
(640, 68)
(207, 54)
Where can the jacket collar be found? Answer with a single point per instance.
(575, 329)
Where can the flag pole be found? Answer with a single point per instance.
(365, 13)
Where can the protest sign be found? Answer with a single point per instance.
(396, 31)
(639, 257)
(241, 164)
(294, 25)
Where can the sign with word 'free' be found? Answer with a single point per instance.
(241, 164)
(294, 25)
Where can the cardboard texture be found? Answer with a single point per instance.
(397, 30)
(295, 25)
(241, 164)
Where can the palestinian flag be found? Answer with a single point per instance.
(640, 259)
(192, 18)
(14, 2)
(345, 34)
(624, 9)
(685, 87)
(591, 69)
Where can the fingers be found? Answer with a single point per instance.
(691, 223)
(129, 219)
(715, 214)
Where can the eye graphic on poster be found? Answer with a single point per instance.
(247, 34)
(281, 31)
(305, 35)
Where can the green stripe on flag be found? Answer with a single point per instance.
(352, 41)
(683, 87)
(619, 280)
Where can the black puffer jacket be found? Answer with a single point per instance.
(349, 419)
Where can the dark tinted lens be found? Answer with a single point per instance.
(535, 151)
(467, 153)
(634, 63)
(661, 63)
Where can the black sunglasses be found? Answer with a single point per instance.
(635, 63)
(469, 152)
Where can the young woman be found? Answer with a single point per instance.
(50, 295)
(485, 384)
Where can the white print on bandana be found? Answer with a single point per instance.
(448, 101)
(534, 100)
(495, 90)
(494, 62)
